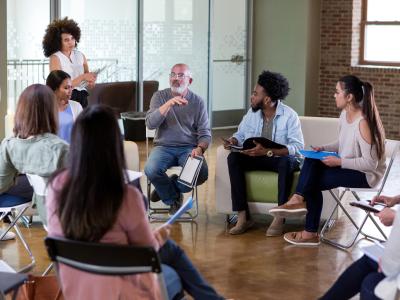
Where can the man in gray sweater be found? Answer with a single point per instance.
(182, 129)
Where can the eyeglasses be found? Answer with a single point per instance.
(177, 75)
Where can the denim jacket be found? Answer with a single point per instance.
(286, 128)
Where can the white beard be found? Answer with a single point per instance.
(178, 90)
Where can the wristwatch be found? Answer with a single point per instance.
(270, 153)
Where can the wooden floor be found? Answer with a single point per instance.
(248, 266)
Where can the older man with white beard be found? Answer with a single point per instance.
(182, 128)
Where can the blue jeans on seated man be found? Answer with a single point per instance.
(179, 272)
(361, 277)
(160, 160)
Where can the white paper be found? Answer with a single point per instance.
(38, 183)
(184, 208)
(4, 267)
(374, 252)
(133, 175)
(189, 170)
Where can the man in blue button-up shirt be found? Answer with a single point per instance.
(268, 117)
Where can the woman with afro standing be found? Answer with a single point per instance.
(59, 44)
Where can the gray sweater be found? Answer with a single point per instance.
(184, 125)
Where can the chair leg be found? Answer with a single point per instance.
(163, 287)
(27, 221)
(153, 212)
(14, 225)
(48, 269)
(359, 228)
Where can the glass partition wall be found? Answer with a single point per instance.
(141, 40)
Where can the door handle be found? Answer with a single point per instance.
(236, 59)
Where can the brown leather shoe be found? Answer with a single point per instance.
(289, 210)
(241, 229)
(296, 238)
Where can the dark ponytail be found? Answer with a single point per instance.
(363, 93)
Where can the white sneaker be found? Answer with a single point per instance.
(9, 236)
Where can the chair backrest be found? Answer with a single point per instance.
(122, 95)
(105, 259)
(119, 95)
(150, 134)
(319, 130)
(131, 152)
(391, 149)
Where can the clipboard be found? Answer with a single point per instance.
(317, 154)
(184, 208)
(366, 205)
(190, 170)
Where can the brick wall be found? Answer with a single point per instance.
(339, 55)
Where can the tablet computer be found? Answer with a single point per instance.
(366, 205)
(190, 170)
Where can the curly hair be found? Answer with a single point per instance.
(275, 85)
(52, 38)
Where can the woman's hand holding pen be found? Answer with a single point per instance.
(388, 201)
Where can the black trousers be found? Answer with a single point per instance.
(21, 188)
(80, 96)
(239, 163)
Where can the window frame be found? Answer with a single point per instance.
(363, 26)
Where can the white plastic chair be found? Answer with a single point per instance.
(391, 148)
(156, 212)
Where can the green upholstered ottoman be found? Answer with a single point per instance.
(262, 186)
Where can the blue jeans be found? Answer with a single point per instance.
(160, 160)
(316, 177)
(172, 281)
(361, 277)
(191, 280)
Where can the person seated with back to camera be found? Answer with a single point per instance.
(101, 207)
(35, 148)
(365, 274)
(68, 110)
(180, 119)
(361, 162)
(270, 118)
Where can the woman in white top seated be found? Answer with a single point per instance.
(59, 44)
(361, 161)
(60, 82)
